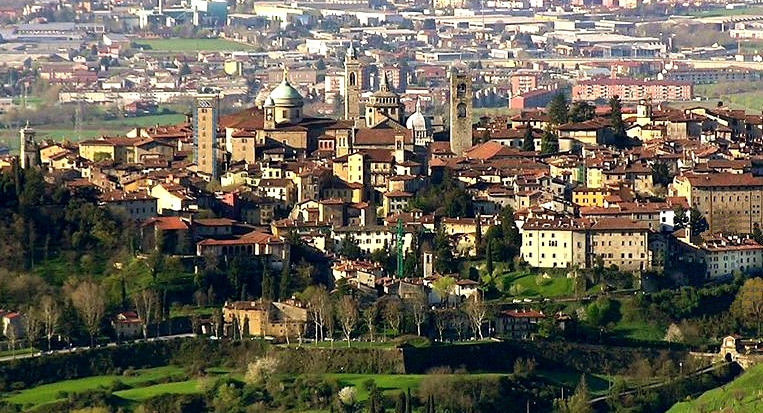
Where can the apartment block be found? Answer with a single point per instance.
(631, 90)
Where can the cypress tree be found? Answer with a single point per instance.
(528, 144)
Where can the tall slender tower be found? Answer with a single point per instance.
(205, 133)
(351, 84)
(29, 153)
(460, 112)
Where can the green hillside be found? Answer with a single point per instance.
(742, 395)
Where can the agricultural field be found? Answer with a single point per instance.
(742, 395)
(190, 45)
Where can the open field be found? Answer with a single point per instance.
(389, 384)
(717, 12)
(190, 45)
(112, 127)
(742, 395)
(143, 393)
(526, 284)
(51, 392)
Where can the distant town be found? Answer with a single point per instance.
(471, 206)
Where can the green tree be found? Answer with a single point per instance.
(579, 402)
(661, 174)
(748, 304)
(692, 218)
(489, 258)
(698, 222)
(350, 248)
(444, 262)
(757, 234)
(528, 143)
(558, 109)
(549, 142)
(617, 124)
(581, 111)
(268, 284)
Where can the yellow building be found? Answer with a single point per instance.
(731, 203)
(589, 197)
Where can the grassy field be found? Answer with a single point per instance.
(526, 284)
(640, 331)
(51, 392)
(742, 395)
(90, 130)
(717, 12)
(191, 45)
(142, 393)
(736, 95)
(389, 384)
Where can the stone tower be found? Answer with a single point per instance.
(29, 151)
(460, 112)
(351, 84)
(384, 104)
(205, 134)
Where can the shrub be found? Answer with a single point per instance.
(261, 370)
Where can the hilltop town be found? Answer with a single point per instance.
(219, 205)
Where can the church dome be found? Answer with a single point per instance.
(417, 121)
(285, 95)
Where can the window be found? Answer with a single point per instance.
(461, 110)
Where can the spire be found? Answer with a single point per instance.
(352, 53)
(384, 84)
(418, 105)
(285, 74)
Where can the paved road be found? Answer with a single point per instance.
(76, 349)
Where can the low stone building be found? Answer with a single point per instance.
(261, 318)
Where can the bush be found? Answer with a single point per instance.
(117, 385)
(261, 370)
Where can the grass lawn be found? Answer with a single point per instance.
(47, 393)
(639, 330)
(596, 384)
(190, 45)
(717, 12)
(390, 384)
(526, 284)
(142, 393)
(742, 395)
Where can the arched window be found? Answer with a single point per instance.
(353, 79)
(461, 90)
(461, 110)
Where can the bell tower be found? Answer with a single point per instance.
(460, 112)
(29, 151)
(351, 84)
